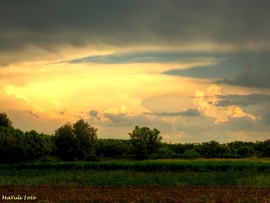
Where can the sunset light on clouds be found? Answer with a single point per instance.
(195, 70)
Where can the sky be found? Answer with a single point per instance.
(195, 70)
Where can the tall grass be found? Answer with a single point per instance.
(38, 177)
(150, 166)
(198, 172)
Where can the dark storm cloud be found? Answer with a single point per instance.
(243, 100)
(50, 24)
(188, 112)
(249, 79)
(226, 67)
(257, 73)
(248, 68)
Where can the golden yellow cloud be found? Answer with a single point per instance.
(76, 88)
(205, 102)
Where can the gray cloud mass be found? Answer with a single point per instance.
(51, 24)
(266, 118)
(249, 79)
(185, 113)
(94, 114)
(243, 100)
(125, 120)
(244, 67)
(148, 57)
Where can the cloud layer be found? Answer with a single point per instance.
(249, 79)
(51, 25)
(188, 112)
(242, 100)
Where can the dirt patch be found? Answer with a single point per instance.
(132, 194)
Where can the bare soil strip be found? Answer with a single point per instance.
(132, 194)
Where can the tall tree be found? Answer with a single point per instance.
(38, 145)
(64, 140)
(75, 142)
(12, 146)
(85, 138)
(145, 142)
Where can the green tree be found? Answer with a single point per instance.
(75, 142)
(4, 121)
(179, 149)
(246, 151)
(213, 149)
(265, 148)
(243, 149)
(12, 146)
(145, 142)
(164, 153)
(191, 154)
(64, 140)
(38, 145)
(85, 138)
(113, 148)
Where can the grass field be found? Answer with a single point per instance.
(159, 172)
(38, 177)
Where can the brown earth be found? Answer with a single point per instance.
(132, 194)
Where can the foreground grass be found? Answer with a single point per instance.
(152, 165)
(38, 177)
(159, 172)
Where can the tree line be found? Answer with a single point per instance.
(79, 141)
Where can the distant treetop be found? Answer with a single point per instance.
(5, 121)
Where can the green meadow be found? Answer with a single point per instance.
(244, 172)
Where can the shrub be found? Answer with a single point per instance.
(92, 158)
(51, 159)
(164, 153)
(245, 151)
(191, 154)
